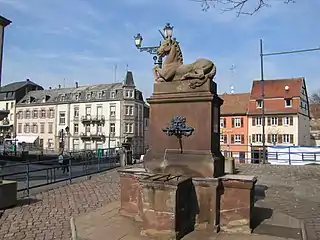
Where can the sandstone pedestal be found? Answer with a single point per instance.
(169, 206)
(237, 202)
(201, 108)
(8, 194)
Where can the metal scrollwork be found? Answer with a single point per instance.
(178, 128)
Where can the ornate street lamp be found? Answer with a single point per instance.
(167, 33)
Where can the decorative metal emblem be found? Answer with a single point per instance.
(178, 128)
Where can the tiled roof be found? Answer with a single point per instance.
(315, 110)
(4, 22)
(12, 87)
(275, 88)
(234, 104)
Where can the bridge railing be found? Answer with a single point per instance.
(31, 174)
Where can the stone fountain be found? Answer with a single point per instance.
(182, 187)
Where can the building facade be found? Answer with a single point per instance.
(234, 125)
(10, 94)
(315, 124)
(87, 117)
(287, 117)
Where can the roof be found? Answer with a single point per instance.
(128, 81)
(234, 104)
(13, 87)
(275, 88)
(4, 22)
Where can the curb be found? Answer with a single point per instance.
(73, 229)
(303, 231)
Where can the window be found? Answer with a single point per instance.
(259, 103)
(62, 118)
(63, 98)
(113, 94)
(99, 128)
(43, 113)
(87, 145)
(99, 111)
(27, 128)
(76, 112)
(51, 113)
(257, 138)
(273, 121)
(129, 127)
(41, 127)
(76, 145)
(12, 105)
(273, 138)
(50, 127)
(35, 114)
(88, 96)
(286, 138)
(100, 95)
(112, 111)
(129, 110)
(258, 121)
(288, 102)
(87, 128)
(223, 138)
(7, 106)
(237, 139)
(288, 121)
(76, 97)
(237, 122)
(76, 128)
(27, 114)
(223, 122)
(88, 112)
(35, 128)
(20, 128)
(112, 128)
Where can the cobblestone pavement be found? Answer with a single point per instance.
(48, 214)
(292, 190)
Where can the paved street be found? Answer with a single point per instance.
(292, 190)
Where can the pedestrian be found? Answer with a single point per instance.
(60, 160)
(65, 164)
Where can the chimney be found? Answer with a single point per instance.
(77, 84)
(59, 86)
(28, 80)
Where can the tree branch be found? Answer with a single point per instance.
(237, 5)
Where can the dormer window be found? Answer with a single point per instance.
(76, 97)
(288, 102)
(88, 96)
(63, 97)
(113, 94)
(100, 95)
(259, 103)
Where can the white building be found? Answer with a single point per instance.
(287, 118)
(89, 117)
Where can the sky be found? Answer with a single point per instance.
(91, 41)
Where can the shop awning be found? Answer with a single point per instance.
(26, 138)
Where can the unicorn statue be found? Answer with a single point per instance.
(173, 69)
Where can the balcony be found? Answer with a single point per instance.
(98, 136)
(93, 119)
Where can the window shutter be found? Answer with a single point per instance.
(269, 121)
(280, 121)
(225, 139)
(269, 138)
(232, 122)
(291, 121)
(279, 138)
(232, 138)
(291, 138)
(224, 122)
(242, 139)
(253, 138)
(253, 121)
(241, 122)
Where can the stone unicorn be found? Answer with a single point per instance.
(173, 69)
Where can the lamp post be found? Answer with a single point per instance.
(3, 23)
(262, 55)
(167, 33)
(67, 130)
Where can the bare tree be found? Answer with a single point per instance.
(238, 5)
(315, 97)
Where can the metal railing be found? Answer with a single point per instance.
(285, 156)
(34, 174)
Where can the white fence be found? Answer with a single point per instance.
(278, 155)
